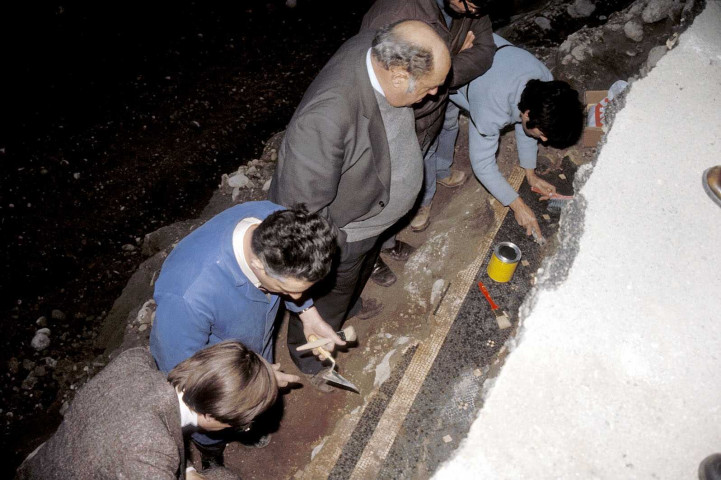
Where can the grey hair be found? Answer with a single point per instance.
(393, 51)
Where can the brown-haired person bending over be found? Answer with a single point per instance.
(129, 420)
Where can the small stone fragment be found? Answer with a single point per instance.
(128, 247)
(543, 23)
(13, 365)
(633, 30)
(581, 8)
(477, 372)
(525, 263)
(266, 185)
(57, 315)
(656, 10)
(562, 176)
(447, 438)
(546, 217)
(40, 341)
(42, 322)
(142, 328)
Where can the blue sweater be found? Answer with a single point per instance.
(204, 298)
(492, 102)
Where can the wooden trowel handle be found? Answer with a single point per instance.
(314, 340)
(348, 334)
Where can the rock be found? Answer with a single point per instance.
(39, 371)
(42, 322)
(146, 313)
(29, 382)
(543, 23)
(581, 52)
(28, 364)
(13, 366)
(656, 10)
(50, 362)
(64, 408)
(266, 185)
(128, 248)
(142, 328)
(251, 171)
(238, 181)
(57, 315)
(41, 340)
(581, 8)
(655, 55)
(633, 30)
(273, 155)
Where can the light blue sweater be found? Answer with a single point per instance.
(492, 102)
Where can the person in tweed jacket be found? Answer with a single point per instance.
(128, 421)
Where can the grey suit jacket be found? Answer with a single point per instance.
(124, 423)
(334, 156)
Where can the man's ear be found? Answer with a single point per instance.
(399, 77)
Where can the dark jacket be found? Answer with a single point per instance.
(467, 64)
(334, 156)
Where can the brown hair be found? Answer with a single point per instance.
(227, 381)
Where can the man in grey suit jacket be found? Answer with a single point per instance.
(128, 421)
(350, 152)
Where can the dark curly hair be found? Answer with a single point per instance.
(294, 243)
(554, 108)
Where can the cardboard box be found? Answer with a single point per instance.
(592, 135)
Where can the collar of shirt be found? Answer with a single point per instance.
(238, 250)
(187, 416)
(372, 74)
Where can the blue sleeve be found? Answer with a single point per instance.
(482, 152)
(295, 307)
(179, 330)
(527, 148)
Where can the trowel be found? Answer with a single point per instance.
(329, 374)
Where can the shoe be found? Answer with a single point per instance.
(455, 179)
(422, 219)
(366, 308)
(400, 251)
(382, 274)
(256, 441)
(712, 183)
(318, 382)
(211, 456)
(710, 468)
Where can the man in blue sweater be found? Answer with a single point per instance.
(225, 281)
(517, 90)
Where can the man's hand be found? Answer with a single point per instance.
(468, 42)
(525, 218)
(540, 184)
(313, 324)
(282, 378)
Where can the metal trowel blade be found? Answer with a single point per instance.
(337, 379)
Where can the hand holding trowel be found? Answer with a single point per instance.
(330, 375)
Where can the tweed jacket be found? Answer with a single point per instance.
(124, 423)
(466, 65)
(334, 156)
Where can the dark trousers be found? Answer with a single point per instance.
(334, 296)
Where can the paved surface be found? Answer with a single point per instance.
(616, 370)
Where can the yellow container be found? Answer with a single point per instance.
(504, 261)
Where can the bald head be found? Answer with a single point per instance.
(411, 55)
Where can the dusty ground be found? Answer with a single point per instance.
(150, 165)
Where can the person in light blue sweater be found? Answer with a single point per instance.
(517, 90)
